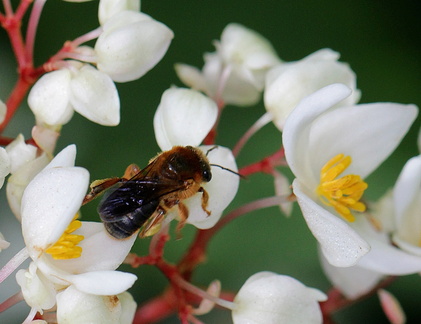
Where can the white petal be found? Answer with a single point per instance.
(74, 306)
(108, 8)
(383, 257)
(407, 187)
(191, 77)
(247, 51)
(100, 251)
(38, 292)
(288, 83)
(351, 131)
(270, 298)
(283, 188)
(3, 243)
(65, 158)
(353, 281)
(103, 282)
(3, 110)
(221, 189)
(4, 165)
(184, 117)
(17, 182)
(49, 98)
(49, 203)
(295, 136)
(340, 244)
(45, 138)
(20, 153)
(132, 43)
(95, 96)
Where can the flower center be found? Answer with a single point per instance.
(343, 193)
(66, 246)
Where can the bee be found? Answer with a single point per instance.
(142, 197)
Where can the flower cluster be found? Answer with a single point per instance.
(329, 141)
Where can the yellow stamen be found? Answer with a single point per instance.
(342, 194)
(66, 246)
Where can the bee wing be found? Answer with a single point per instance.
(135, 198)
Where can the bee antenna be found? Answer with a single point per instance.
(229, 170)
(211, 149)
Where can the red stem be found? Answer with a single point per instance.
(266, 165)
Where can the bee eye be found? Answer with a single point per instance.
(207, 175)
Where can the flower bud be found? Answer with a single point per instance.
(184, 117)
(267, 297)
(108, 8)
(132, 43)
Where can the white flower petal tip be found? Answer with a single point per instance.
(49, 98)
(74, 306)
(221, 189)
(49, 203)
(3, 243)
(391, 307)
(184, 117)
(5, 165)
(3, 110)
(288, 83)
(109, 8)
(340, 244)
(131, 44)
(267, 297)
(95, 96)
(103, 283)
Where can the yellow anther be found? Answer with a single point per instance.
(344, 193)
(66, 246)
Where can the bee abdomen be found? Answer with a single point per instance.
(128, 224)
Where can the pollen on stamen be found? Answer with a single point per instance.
(67, 245)
(344, 193)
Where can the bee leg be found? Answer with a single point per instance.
(205, 199)
(183, 213)
(152, 226)
(98, 186)
(131, 170)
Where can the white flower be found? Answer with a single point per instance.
(74, 306)
(290, 82)
(402, 254)
(248, 53)
(108, 8)
(183, 117)
(234, 74)
(25, 164)
(269, 298)
(330, 151)
(81, 88)
(131, 44)
(236, 89)
(66, 252)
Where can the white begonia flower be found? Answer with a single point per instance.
(183, 117)
(236, 89)
(5, 165)
(290, 82)
(269, 298)
(65, 251)
(247, 53)
(108, 8)
(3, 110)
(131, 44)
(25, 164)
(330, 150)
(74, 306)
(81, 88)
(402, 255)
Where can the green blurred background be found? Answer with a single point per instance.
(379, 39)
